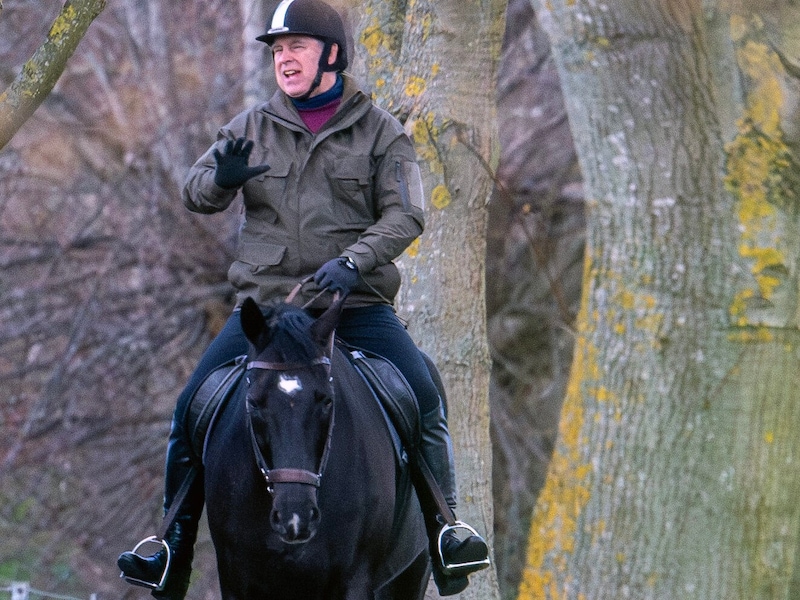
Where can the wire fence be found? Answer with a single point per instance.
(22, 590)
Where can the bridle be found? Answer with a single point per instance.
(290, 475)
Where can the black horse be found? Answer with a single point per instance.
(305, 496)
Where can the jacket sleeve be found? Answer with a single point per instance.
(399, 205)
(200, 194)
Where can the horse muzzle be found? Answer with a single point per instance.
(295, 515)
(295, 526)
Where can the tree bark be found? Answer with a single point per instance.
(41, 72)
(673, 475)
(259, 80)
(422, 60)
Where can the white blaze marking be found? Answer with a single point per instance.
(289, 385)
(294, 524)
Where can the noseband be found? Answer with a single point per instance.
(289, 475)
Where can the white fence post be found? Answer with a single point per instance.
(22, 590)
(19, 590)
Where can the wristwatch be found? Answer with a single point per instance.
(349, 263)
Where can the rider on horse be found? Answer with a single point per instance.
(336, 194)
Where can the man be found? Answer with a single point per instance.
(336, 193)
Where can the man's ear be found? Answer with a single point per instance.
(333, 55)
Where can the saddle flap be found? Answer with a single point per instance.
(394, 393)
(206, 402)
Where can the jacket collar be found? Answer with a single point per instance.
(353, 106)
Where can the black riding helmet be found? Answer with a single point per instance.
(313, 18)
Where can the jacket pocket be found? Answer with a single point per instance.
(258, 258)
(264, 194)
(351, 186)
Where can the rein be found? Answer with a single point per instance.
(290, 475)
(296, 290)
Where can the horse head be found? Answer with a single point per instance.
(289, 401)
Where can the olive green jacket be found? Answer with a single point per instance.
(352, 189)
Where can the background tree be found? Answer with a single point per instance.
(110, 289)
(41, 72)
(674, 471)
(415, 54)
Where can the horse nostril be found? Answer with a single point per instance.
(275, 518)
(314, 514)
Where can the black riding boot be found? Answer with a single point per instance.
(454, 558)
(181, 535)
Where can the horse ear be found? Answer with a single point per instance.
(322, 329)
(252, 321)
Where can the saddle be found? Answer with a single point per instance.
(388, 385)
(209, 400)
(395, 398)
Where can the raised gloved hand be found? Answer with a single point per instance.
(232, 170)
(337, 275)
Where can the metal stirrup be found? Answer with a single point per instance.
(149, 584)
(456, 566)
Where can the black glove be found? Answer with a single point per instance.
(337, 275)
(232, 170)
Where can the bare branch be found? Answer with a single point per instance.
(43, 69)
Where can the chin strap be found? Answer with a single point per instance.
(314, 85)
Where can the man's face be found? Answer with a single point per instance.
(296, 59)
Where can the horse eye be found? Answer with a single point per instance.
(253, 399)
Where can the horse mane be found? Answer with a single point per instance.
(290, 332)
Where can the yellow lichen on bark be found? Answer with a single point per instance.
(373, 39)
(632, 312)
(415, 86)
(757, 167)
(63, 23)
(40, 73)
(413, 249)
(567, 490)
(425, 131)
(440, 197)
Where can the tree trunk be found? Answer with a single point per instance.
(422, 60)
(673, 475)
(259, 80)
(42, 71)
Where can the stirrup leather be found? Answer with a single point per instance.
(157, 586)
(451, 567)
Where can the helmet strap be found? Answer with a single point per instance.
(314, 86)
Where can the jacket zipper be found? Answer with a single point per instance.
(403, 185)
